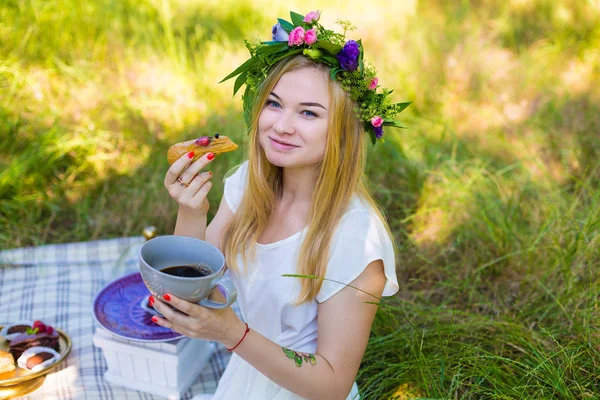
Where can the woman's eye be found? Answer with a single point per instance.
(273, 103)
(309, 113)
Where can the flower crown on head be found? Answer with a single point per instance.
(304, 35)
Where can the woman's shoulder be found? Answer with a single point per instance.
(238, 172)
(235, 185)
(361, 238)
(359, 209)
(362, 219)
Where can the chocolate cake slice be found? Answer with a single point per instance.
(24, 341)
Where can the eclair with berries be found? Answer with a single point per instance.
(201, 146)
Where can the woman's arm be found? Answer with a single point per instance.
(344, 325)
(194, 225)
(188, 186)
(191, 225)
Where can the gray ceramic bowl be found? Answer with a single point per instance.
(170, 250)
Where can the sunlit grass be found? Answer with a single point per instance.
(492, 192)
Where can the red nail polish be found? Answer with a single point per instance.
(154, 319)
(166, 297)
(151, 301)
(190, 154)
(210, 173)
(210, 156)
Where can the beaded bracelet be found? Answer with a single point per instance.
(243, 337)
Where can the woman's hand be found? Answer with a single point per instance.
(195, 321)
(188, 186)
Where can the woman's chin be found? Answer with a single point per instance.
(289, 159)
(279, 160)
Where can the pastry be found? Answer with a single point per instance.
(41, 335)
(11, 331)
(37, 358)
(7, 362)
(217, 145)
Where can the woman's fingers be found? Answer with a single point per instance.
(173, 316)
(177, 168)
(185, 319)
(197, 189)
(191, 171)
(201, 194)
(182, 305)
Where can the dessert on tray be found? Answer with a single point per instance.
(11, 331)
(7, 362)
(37, 358)
(39, 334)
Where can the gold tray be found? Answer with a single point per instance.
(19, 382)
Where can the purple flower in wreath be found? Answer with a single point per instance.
(378, 131)
(348, 57)
(279, 34)
(377, 123)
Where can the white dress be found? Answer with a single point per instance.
(266, 298)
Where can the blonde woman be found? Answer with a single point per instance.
(299, 205)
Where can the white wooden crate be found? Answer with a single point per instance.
(165, 369)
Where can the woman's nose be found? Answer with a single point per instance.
(284, 124)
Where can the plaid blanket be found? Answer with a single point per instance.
(57, 284)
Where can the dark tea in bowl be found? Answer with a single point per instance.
(188, 268)
(188, 271)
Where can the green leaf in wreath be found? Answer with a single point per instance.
(371, 132)
(335, 71)
(313, 54)
(361, 64)
(247, 102)
(298, 360)
(288, 27)
(403, 105)
(245, 67)
(272, 42)
(329, 60)
(288, 54)
(296, 18)
(312, 360)
(329, 47)
(272, 48)
(394, 123)
(239, 82)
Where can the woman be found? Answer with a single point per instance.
(299, 205)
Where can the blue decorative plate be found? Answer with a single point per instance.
(117, 308)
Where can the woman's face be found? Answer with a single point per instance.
(292, 126)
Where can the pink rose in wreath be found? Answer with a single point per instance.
(296, 36)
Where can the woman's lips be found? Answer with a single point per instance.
(281, 146)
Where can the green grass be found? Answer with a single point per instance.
(492, 193)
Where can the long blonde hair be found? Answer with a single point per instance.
(341, 175)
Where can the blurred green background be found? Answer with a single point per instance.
(492, 193)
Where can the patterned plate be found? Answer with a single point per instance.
(117, 308)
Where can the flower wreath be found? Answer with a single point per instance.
(304, 35)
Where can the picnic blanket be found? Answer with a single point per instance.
(57, 284)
